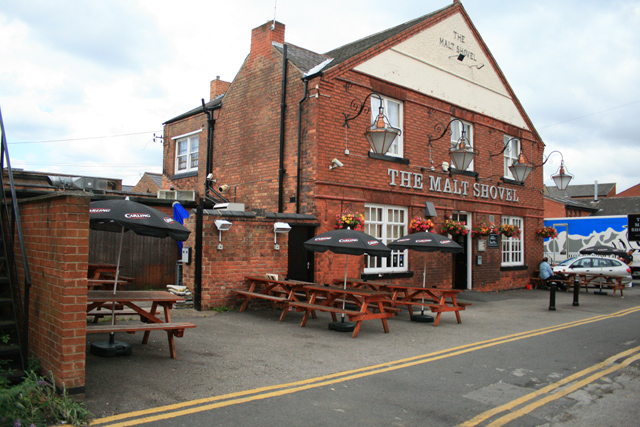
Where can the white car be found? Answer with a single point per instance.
(595, 265)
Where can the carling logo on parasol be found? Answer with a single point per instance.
(320, 239)
(168, 219)
(421, 240)
(373, 242)
(99, 210)
(348, 240)
(136, 215)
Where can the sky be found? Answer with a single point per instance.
(85, 85)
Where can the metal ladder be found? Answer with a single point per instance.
(14, 325)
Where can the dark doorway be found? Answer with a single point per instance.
(300, 260)
(460, 259)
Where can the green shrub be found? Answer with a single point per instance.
(34, 402)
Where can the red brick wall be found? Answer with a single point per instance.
(248, 250)
(187, 181)
(56, 232)
(146, 185)
(553, 209)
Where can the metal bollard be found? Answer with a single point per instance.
(552, 296)
(576, 291)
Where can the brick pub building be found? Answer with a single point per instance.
(269, 139)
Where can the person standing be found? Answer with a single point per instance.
(628, 257)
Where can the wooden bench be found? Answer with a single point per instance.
(535, 280)
(173, 330)
(311, 308)
(99, 314)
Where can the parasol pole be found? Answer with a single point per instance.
(112, 335)
(344, 296)
(424, 277)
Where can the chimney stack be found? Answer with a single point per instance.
(263, 36)
(218, 87)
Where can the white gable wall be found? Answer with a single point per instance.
(427, 63)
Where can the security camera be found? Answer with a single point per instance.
(224, 188)
(335, 163)
(210, 178)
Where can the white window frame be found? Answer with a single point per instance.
(455, 136)
(513, 248)
(397, 148)
(387, 223)
(192, 153)
(511, 154)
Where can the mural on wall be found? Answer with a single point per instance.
(575, 234)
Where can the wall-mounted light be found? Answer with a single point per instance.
(279, 227)
(461, 153)
(380, 134)
(222, 225)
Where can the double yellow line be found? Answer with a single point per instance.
(206, 404)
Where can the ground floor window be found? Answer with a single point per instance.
(512, 248)
(386, 223)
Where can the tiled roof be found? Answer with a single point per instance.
(586, 190)
(350, 50)
(617, 206)
(586, 206)
(211, 105)
(304, 59)
(156, 178)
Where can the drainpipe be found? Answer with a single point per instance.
(211, 124)
(299, 179)
(283, 107)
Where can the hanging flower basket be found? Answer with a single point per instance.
(419, 224)
(547, 232)
(484, 229)
(354, 221)
(454, 227)
(509, 230)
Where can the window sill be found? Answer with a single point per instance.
(386, 158)
(512, 181)
(515, 268)
(185, 175)
(466, 173)
(376, 276)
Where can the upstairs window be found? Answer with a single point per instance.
(187, 152)
(456, 133)
(511, 154)
(393, 111)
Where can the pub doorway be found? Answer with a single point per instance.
(300, 265)
(461, 260)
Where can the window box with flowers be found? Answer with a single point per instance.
(484, 229)
(510, 230)
(354, 221)
(454, 227)
(547, 232)
(419, 224)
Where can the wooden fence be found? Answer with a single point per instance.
(151, 261)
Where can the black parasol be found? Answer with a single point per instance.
(118, 215)
(348, 242)
(425, 242)
(600, 249)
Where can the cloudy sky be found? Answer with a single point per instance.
(85, 85)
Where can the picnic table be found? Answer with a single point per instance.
(330, 298)
(596, 281)
(100, 303)
(436, 299)
(277, 292)
(102, 276)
